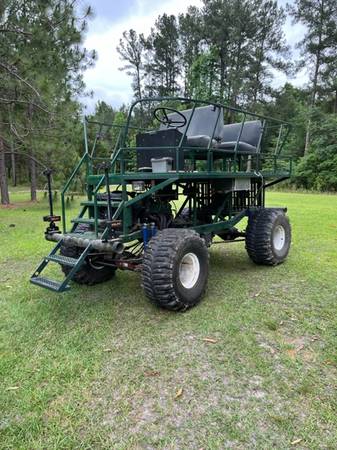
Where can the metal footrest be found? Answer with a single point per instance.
(52, 285)
(100, 203)
(75, 264)
(64, 260)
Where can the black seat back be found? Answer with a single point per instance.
(202, 123)
(251, 132)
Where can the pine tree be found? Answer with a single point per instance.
(164, 59)
(267, 47)
(41, 68)
(190, 41)
(131, 50)
(318, 46)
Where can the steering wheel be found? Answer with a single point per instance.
(161, 114)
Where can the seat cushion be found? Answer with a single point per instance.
(249, 138)
(205, 121)
(200, 140)
(242, 146)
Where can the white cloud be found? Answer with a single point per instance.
(105, 79)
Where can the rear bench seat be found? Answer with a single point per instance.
(202, 125)
(249, 139)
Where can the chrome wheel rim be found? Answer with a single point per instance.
(189, 270)
(279, 237)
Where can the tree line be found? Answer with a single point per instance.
(226, 51)
(41, 65)
(231, 50)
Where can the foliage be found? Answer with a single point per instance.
(230, 50)
(130, 49)
(318, 168)
(225, 50)
(290, 104)
(41, 66)
(318, 51)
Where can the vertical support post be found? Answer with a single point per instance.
(210, 159)
(278, 140)
(52, 228)
(48, 173)
(97, 137)
(63, 206)
(107, 185)
(195, 204)
(88, 159)
(237, 142)
(125, 210)
(178, 150)
(258, 148)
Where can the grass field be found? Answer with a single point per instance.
(100, 367)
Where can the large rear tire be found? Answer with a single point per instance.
(268, 236)
(89, 273)
(175, 269)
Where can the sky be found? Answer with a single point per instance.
(112, 17)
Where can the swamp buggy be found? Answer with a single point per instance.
(156, 201)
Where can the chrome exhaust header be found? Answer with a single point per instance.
(97, 244)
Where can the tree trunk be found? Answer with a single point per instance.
(32, 165)
(315, 82)
(139, 85)
(3, 177)
(311, 107)
(222, 77)
(33, 182)
(13, 163)
(307, 136)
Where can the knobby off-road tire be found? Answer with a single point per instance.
(175, 269)
(268, 236)
(88, 274)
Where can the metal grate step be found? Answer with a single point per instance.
(100, 203)
(65, 260)
(52, 285)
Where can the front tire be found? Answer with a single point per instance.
(175, 269)
(88, 273)
(268, 236)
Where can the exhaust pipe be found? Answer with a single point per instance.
(117, 247)
(97, 244)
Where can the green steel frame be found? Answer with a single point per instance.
(264, 170)
(278, 168)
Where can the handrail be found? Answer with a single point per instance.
(114, 125)
(64, 190)
(98, 187)
(192, 104)
(200, 102)
(123, 146)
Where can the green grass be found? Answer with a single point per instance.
(99, 367)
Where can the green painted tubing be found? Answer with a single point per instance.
(222, 225)
(205, 102)
(85, 136)
(79, 164)
(155, 188)
(64, 190)
(98, 186)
